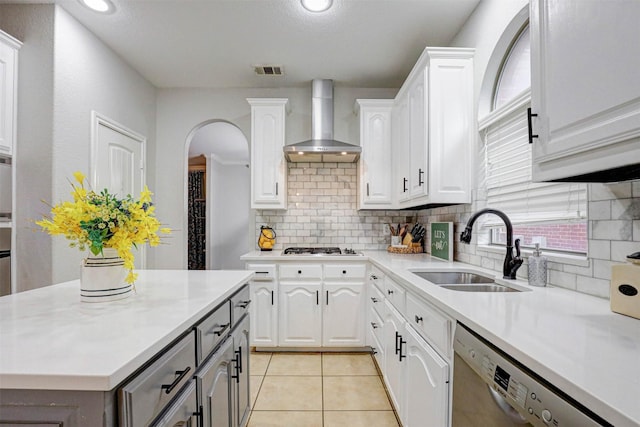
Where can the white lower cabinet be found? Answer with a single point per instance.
(264, 311)
(393, 372)
(416, 376)
(300, 317)
(426, 383)
(343, 315)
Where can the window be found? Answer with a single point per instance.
(551, 214)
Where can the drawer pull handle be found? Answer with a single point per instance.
(373, 350)
(418, 319)
(243, 304)
(271, 297)
(199, 415)
(402, 356)
(168, 388)
(236, 360)
(373, 277)
(299, 271)
(262, 272)
(398, 338)
(222, 329)
(344, 271)
(374, 325)
(374, 299)
(390, 292)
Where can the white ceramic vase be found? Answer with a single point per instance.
(102, 277)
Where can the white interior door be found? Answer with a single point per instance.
(117, 164)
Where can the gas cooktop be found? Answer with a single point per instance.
(320, 251)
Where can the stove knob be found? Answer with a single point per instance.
(546, 416)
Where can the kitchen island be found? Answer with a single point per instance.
(572, 340)
(68, 358)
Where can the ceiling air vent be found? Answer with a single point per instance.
(269, 70)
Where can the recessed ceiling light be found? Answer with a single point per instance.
(316, 5)
(102, 6)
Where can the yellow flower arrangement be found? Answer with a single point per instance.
(100, 220)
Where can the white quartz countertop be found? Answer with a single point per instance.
(51, 340)
(570, 339)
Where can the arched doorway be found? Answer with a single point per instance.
(218, 196)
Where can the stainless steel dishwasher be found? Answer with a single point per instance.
(490, 388)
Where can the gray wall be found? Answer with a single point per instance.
(65, 73)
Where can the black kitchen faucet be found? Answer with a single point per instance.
(511, 263)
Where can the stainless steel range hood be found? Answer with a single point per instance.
(322, 147)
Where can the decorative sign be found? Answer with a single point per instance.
(442, 240)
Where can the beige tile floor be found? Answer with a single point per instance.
(317, 390)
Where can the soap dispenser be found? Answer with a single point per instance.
(537, 268)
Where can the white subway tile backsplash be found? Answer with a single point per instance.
(610, 191)
(322, 212)
(593, 286)
(600, 210)
(611, 230)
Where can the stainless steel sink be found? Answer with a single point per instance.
(484, 287)
(464, 281)
(451, 277)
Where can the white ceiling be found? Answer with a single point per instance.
(215, 43)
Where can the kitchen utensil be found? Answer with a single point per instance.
(392, 229)
(418, 232)
(407, 239)
(402, 230)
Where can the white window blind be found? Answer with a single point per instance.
(508, 174)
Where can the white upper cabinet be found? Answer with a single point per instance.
(434, 130)
(375, 180)
(585, 89)
(8, 92)
(268, 165)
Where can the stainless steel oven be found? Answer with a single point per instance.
(490, 388)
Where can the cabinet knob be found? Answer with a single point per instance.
(374, 299)
(373, 277)
(418, 319)
(389, 292)
(374, 325)
(299, 271)
(344, 271)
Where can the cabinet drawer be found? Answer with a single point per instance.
(306, 271)
(263, 272)
(149, 393)
(212, 330)
(376, 300)
(377, 349)
(433, 326)
(345, 271)
(376, 323)
(395, 294)
(240, 304)
(376, 278)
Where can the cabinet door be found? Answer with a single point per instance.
(343, 315)
(426, 385)
(8, 92)
(240, 375)
(451, 130)
(401, 148)
(268, 165)
(264, 312)
(585, 58)
(183, 411)
(375, 161)
(393, 373)
(300, 320)
(418, 156)
(214, 387)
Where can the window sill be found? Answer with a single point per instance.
(577, 260)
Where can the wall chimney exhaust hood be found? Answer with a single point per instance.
(322, 147)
